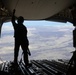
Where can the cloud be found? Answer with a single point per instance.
(52, 42)
(46, 42)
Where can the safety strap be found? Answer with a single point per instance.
(16, 4)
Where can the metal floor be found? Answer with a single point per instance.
(38, 67)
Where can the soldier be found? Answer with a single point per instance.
(20, 35)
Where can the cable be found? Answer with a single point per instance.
(16, 4)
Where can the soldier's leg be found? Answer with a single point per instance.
(16, 51)
(25, 56)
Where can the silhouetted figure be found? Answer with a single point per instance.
(74, 38)
(72, 62)
(20, 35)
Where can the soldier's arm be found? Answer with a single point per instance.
(28, 49)
(29, 52)
(13, 19)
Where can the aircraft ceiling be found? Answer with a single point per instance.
(36, 9)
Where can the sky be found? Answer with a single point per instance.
(48, 40)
